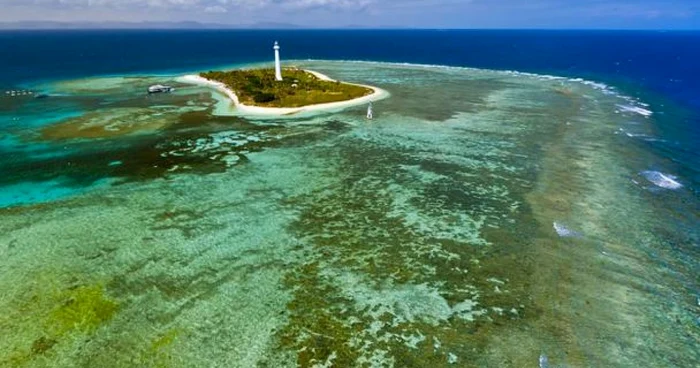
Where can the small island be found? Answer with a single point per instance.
(268, 91)
(299, 88)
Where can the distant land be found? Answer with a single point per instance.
(53, 25)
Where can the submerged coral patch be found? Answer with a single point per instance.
(437, 234)
(118, 122)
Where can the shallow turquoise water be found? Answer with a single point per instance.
(481, 219)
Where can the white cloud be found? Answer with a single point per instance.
(337, 13)
(212, 6)
(215, 9)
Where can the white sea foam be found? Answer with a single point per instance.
(564, 231)
(635, 135)
(634, 109)
(662, 180)
(632, 135)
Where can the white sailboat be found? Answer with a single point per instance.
(370, 114)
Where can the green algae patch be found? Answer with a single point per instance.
(158, 354)
(316, 331)
(51, 317)
(118, 122)
(84, 308)
(42, 345)
(165, 340)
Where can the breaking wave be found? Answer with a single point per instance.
(634, 109)
(662, 180)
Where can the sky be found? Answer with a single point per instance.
(597, 14)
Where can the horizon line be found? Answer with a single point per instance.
(359, 28)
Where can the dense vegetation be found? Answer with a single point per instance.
(258, 87)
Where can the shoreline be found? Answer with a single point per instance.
(243, 109)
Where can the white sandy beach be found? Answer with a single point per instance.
(242, 109)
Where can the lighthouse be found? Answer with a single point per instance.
(278, 68)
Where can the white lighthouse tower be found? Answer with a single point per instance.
(278, 68)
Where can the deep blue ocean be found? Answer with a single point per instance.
(660, 68)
